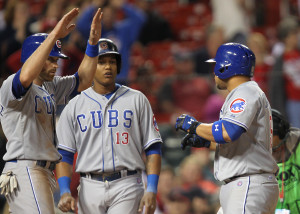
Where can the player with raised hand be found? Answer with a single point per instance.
(242, 136)
(110, 126)
(28, 102)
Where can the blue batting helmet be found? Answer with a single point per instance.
(233, 59)
(107, 46)
(32, 42)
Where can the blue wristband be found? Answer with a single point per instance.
(64, 184)
(92, 50)
(217, 132)
(152, 181)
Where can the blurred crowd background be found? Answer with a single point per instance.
(164, 45)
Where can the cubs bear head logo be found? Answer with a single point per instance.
(238, 105)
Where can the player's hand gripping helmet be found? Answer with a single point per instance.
(233, 59)
(32, 42)
(107, 46)
(280, 124)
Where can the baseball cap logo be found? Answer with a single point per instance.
(103, 45)
(58, 43)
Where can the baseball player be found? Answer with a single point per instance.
(286, 151)
(109, 126)
(242, 136)
(28, 102)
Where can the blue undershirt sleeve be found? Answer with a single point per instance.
(17, 88)
(234, 131)
(67, 157)
(153, 149)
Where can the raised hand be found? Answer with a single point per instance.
(64, 26)
(96, 26)
(187, 123)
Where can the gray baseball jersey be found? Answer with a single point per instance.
(28, 122)
(248, 107)
(108, 134)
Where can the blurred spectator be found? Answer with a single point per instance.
(257, 42)
(200, 201)
(124, 31)
(156, 27)
(214, 37)
(51, 14)
(17, 21)
(184, 91)
(190, 172)
(213, 105)
(147, 82)
(178, 202)
(285, 76)
(232, 16)
(165, 184)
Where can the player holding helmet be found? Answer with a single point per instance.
(28, 106)
(242, 136)
(109, 125)
(286, 151)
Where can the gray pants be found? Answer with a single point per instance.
(119, 196)
(254, 194)
(35, 188)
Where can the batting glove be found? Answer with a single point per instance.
(194, 140)
(187, 123)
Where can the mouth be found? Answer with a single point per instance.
(108, 74)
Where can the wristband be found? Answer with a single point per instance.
(64, 184)
(217, 132)
(152, 181)
(92, 50)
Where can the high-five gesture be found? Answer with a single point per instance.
(64, 26)
(95, 33)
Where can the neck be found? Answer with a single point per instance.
(38, 81)
(101, 89)
(235, 81)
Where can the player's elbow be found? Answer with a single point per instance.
(226, 137)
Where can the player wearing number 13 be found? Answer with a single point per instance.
(109, 125)
(242, 136)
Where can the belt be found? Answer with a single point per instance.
(109, 176)
(228, 180)
(42, 163)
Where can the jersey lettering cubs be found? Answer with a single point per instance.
(97, 118)
(33, 115)
(113, 127)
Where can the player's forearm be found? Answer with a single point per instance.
(63, 169)
(34, 64)
(205, 130)
(153, 164)
(86, 72)
(88, 65)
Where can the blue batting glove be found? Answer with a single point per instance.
(187, 123)
(194, 140)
